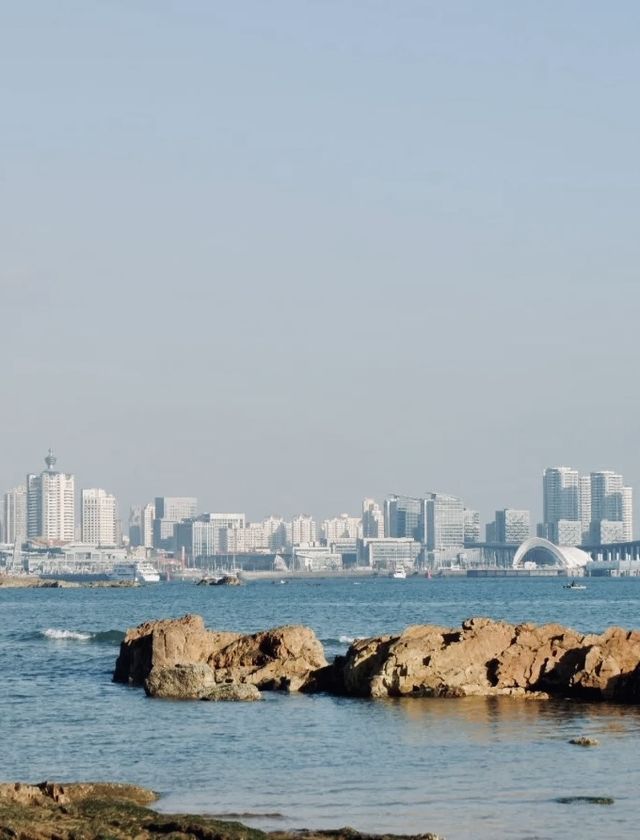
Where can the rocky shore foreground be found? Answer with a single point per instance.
(181, 659)
(50, 811)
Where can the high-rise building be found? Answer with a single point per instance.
(14, 515)
(404, 517)
(302, 529)
(372, 520)
(99, 515)
(512, 526)
(51, 505)
(560, 494)
(209, 534)
(343, 527)
(169, 511)
(585, 506)
(611, 502)
(445, 522)
(471, 527)
(146, 525)
(274, 530)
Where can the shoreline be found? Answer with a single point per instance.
(95, 810)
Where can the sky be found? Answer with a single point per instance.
(285, 255)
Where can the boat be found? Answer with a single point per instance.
(574, 585)
(398, 573)
(142, 571)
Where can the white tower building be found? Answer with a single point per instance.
(99, 517)
(51, 504)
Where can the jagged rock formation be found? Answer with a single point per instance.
(488, 657)
(283, 658)
(50, 811)
(483, 657)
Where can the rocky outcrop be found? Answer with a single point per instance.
(232, 691)
(167, 642)
(285, 658)
(51, 811)
(482, 657)
(195, 681)
(486, 657)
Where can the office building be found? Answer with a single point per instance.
(208, 534)
(512, 526)
(611, 502)
(372, 519)
(99, 515)
(388, 553)
(445, 522)
(14, 515)
(471, 527)
(404, 518)
(135, 526)
(51, 505)
(169, 511)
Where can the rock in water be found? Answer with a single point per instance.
(180, 682)
(486, 657)
(232, 691)
(170, 641)
(584, 741)
(282, 658)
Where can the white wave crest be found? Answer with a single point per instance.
(346, 640)
(53, 633)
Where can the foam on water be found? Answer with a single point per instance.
(107, 636)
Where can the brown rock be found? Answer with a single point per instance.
(180, 682)
(170, 641)
(232, 691)
(283, 658)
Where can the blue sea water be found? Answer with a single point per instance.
(468, 768)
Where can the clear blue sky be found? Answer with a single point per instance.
(284, 255)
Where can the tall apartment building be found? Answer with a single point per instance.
(98, 517)
(372, 520)
(169, 511)
(14, 515)
(302, 530)
(512, 526)
(560, 494)
(343, 527)
(51, 504)
(147, 516)
(209, 534)
(275, 533)
(611, 501)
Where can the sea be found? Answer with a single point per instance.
(464, 768)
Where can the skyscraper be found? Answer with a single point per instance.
(99, 514)
(560, 494)
(611, 502)
(51, 504)
(445, 522)
(471, 526)
(14, 515)
(404, 517)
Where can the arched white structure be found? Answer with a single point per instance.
(545, 553)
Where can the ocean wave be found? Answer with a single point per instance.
(112, 637)
(341, 640)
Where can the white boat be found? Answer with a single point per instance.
(398, 573)
(574, 585)
(142, 571)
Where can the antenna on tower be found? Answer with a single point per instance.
(50, 460)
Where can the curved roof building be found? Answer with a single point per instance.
(545, 553)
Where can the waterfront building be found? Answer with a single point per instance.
(490, 532)
(605, 531)
(611, 501)
(341, 527)
(99, 517)
(372, 519)
(404, 518)
(169, 511)
(512, 526)
(51, 505)
(207, 534)
(627, 514)
(388, 553)
(471, 527)
(14, 515)
(314, 558)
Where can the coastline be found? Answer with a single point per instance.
(97, 810)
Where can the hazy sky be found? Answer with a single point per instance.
(284, 255)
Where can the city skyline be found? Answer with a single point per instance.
(565, 496)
